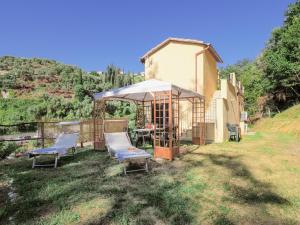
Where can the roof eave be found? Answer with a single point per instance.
(165, 42)
(216, 55)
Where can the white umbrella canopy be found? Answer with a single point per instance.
(144, 91)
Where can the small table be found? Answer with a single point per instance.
(144, 132)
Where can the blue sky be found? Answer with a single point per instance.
(92, 33)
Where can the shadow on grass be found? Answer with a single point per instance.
(222, 220)
(44, 190)
(256, 191)
(139, 198)
(149, 198)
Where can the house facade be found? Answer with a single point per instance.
(192, 64)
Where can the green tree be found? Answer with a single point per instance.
(281, 60)
(80, 92)
(251, 76)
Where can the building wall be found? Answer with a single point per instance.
(185, 113)
(210, 77)
(228, 109)
(222, 114)
(233, 105)
(210, 132)
(175, 63)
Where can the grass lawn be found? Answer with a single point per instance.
(256, 181)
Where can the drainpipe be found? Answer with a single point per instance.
(196, 68)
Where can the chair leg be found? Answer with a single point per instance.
(33, 162)
(146, 166)
(143, 141)
(125, 171)
(56, 159)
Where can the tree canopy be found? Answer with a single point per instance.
(251, 76)
(272, 80)
(281, 60)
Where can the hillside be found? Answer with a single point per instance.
(35, 89)
(286, 121)
(34, 77)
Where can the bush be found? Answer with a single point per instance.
(79, 92)
(15, 110)
(6, 148)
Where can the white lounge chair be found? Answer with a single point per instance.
(119, 146)
(64, 143)
(116, 142)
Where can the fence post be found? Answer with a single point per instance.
(81, 134)
(43, 134)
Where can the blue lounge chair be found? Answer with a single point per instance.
(119, 146)
(61, 147)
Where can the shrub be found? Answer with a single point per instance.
(6, 148)
(79, 92)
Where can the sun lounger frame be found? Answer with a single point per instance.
(59, 149)
(56, 158)
(145, 168)
(125, 169)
